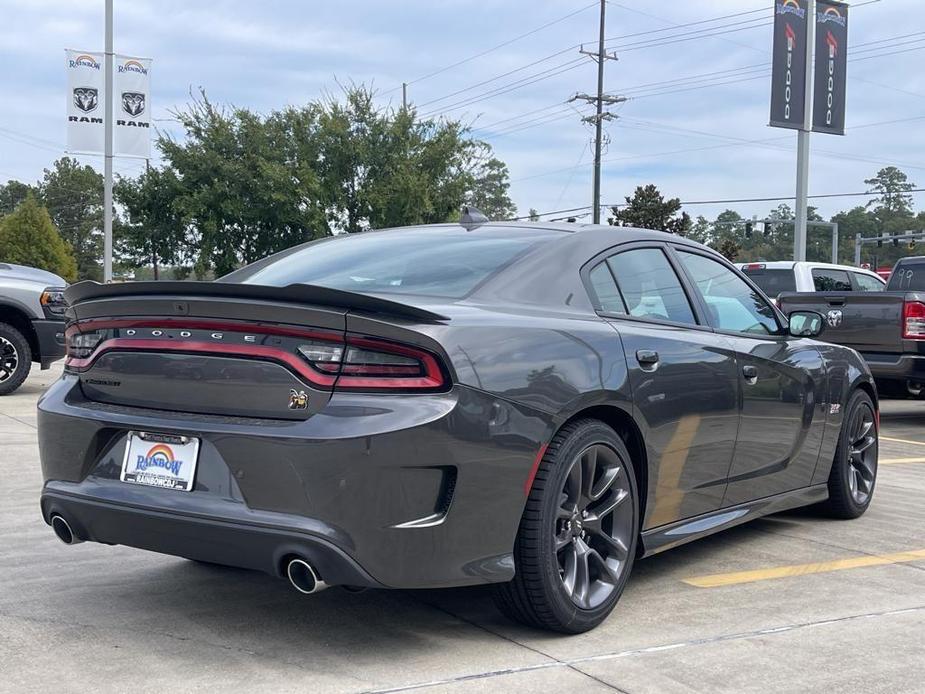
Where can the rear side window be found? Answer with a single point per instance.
(826, 280)
(650, 286)
(908, 277)
(432, 262)
(608, 296)
(773, 282)
(866, 283)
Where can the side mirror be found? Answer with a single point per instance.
(806, 324)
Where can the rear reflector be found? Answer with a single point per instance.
(914, 320)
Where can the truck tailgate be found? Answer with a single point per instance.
(866, 321)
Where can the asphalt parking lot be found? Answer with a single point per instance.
(791, 603)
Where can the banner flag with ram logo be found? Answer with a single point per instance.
(85, 129)
(132, 105)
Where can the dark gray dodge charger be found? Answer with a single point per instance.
(530, 405)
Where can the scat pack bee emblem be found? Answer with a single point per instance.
(298, 399)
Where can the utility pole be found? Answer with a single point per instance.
(404, 96)
(107, 150)
(802, 211)
(599, 115)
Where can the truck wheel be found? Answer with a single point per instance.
(577, 538)
(15, 359)
(854, 470)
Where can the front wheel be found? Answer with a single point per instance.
(15, 359)
(577, 538)
(854, 470)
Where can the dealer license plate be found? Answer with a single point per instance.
(160, 460)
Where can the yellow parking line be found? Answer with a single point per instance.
(914, 443)
(896, 461)
(717, 580)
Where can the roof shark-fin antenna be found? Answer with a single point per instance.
(472, 217)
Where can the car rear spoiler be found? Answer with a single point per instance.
(293, 293)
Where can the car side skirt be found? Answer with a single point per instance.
(667, 536)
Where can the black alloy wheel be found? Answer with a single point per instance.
(854, 469)
(15, 359)
(593, 526)
(577, 538)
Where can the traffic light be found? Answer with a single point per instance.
(768, 228)
(880, 241)
(911, 244)
(748, 230)
(896, 243)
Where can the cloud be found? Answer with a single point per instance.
(275, 53)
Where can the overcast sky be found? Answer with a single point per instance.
(695, 96)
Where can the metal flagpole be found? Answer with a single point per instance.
(802, 210)
(107, 151)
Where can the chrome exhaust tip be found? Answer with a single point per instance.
(303, 577)
(63, 530)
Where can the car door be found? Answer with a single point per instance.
(781, 380)
(682, 376)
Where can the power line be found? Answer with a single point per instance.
(494, 48)
(728, 201)
(679, 26)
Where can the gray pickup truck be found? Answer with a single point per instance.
(32, 309)
(887, 328)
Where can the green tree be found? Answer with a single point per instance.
(249, 185)
(648, 209)
(28, 237)
(893, 187)
(154, 229)
(490, 187)
(533, 215)
(12, 194)
(73, 195)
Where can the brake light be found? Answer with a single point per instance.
(754, 266)
(914, 320)
(370, 364)
(81, 345)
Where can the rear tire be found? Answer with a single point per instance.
(854, 470)
(577, 538)
(15, 359)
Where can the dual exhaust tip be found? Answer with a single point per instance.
(300, 573)
(64, 531)
(303, 577)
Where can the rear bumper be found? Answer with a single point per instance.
(400, 491)
(234, 542)
(50, 337)
(900, 367)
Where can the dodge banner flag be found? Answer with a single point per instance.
(830, 70)
(788, 64)
(86, 100)
(132, 105)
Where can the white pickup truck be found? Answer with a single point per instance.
(32, 310)
(792, 276)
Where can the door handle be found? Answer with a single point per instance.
(750, 373)
(647, 357)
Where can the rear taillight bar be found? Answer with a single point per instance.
(324, 359)
(913, 320)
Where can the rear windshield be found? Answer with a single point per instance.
(908, 277)
(439, 261)
(773, 282)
